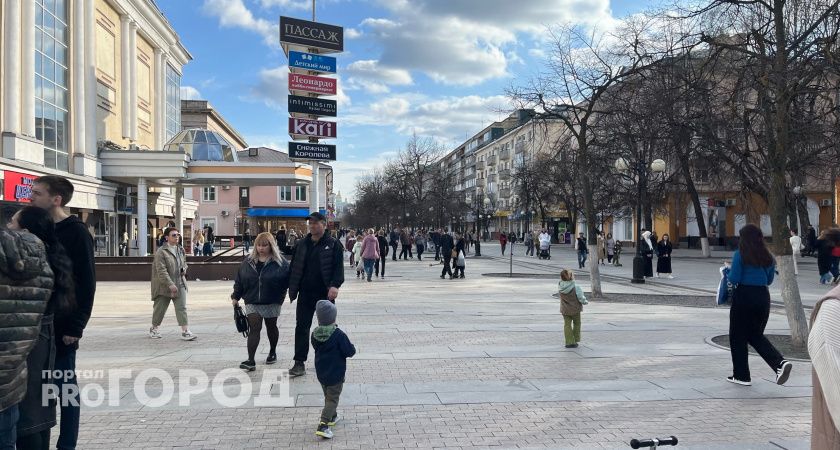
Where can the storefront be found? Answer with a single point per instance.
(273, 219)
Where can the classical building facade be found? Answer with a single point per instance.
(79, 76)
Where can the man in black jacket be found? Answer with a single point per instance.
(53, 193)
(317, 271)
(395, 241)
(446, 246)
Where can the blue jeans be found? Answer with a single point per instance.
(8, 427)
(826, 278)
(69, 428)
(582, 259)
(369, 267)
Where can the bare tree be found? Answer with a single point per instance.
(782, 79)
(583, 67)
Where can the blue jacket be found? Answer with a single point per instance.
(750, 275)
(332, 348)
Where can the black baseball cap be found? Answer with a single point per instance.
(317, 216)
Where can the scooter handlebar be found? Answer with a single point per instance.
(644, 443)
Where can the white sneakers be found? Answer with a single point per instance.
(188, 336)
(154, 333)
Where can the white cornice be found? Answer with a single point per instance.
(152, 25)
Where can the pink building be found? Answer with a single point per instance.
(232, 209)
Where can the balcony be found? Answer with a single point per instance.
(504, 174)
(491, 177)
(480, 182)
(491, 161)
(504, 193)
(504, 155)
(470, 161)
(479, 165)
(520, 147)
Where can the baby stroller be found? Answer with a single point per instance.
(545, 250)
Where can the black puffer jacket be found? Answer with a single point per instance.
(261, 288)
(26, 282)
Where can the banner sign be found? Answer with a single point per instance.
(311, 34)
(316, 85)
(320, 152)
(17, 186)
(312, 128)
(312, 106)
(309, 61)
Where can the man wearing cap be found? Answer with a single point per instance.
(317, 271)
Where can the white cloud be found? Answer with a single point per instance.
(537, 53)
(444, 118)
(234, 14)
(352, 33)
(375, 79)
(190, 93)
(455, 42)
(288, 4)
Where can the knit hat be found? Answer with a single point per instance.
(326, 312)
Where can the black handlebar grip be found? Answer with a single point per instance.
(636, 444)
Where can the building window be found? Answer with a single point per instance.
(173, 102)
(285, 193)
(300, 193)
(51, 79)
(208, 194)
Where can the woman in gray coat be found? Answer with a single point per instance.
(262, 281)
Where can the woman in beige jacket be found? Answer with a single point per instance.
(824, 348)
(169, 284)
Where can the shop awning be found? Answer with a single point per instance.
(280, 212)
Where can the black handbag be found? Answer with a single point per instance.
(241, 321)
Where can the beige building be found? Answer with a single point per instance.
(79, 76)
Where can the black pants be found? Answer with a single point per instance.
(420, 249)
(437, 252)
(457, 270)
(447, 268)
(405, 250)
(394, 251)
(747, 320)
(304, 312)
(377, 263)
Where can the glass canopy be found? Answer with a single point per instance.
(202, 145)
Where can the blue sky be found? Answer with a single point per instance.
(435, 67)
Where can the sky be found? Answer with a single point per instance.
(437, 68)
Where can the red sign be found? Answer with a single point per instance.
(313, 128)
(316, 85)
(18, 186)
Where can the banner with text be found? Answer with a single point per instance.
(320, 152)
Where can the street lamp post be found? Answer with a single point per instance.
(641, 170)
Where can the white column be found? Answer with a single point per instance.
(159, 86)
(179, 209)
(27, 110)
(11, 66)
(77, 47)
(125, 75)
(132, 69)
(90, 80)
(142, 217)
(313, 191)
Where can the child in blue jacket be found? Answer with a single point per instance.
(332, 348)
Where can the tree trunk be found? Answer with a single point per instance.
(591, 225)
(802, 212)
(706, 251)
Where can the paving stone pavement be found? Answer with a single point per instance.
(472, 363)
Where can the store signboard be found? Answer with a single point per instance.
(311, 34)
(313, 62)
(305, 128)
(319, 152)
(17, 186)
(312, 106)
(315, 85)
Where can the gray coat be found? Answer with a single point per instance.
(26, 282)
